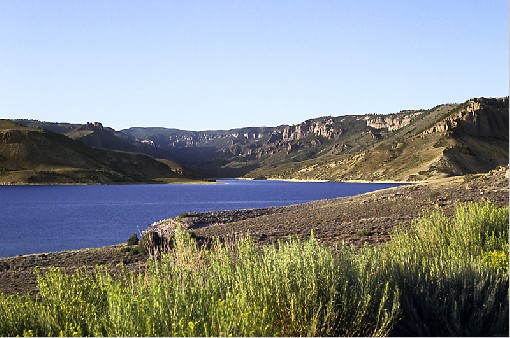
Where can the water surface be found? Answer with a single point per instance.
(52, 218)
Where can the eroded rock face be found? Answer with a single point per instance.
(322, 128)
(391, 122)
(480, 117)
(485, 118)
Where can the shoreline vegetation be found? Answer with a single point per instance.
(185, 180)
(157, 181)
(442, 276)
(371, 264)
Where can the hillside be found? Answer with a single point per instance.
(449, 139)
(34, 155)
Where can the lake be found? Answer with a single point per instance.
(37, 219)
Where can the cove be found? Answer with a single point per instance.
(36, 219)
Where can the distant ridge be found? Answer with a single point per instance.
(38, 156)
(447, 140)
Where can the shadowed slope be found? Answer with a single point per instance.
(33, 155)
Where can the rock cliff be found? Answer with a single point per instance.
(322, 128)
(479, 117)
(391, 122)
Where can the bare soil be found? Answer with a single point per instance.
(367, 218)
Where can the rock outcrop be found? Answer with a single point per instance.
(391, 122)
(479, 117)
(323, 128)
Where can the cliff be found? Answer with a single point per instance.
(392, 122)
(452, 139)
(479, 117)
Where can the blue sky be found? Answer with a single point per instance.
(224, 64)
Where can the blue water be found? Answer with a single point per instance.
(52, 218)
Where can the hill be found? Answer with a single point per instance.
(35, 155)
(447, 140)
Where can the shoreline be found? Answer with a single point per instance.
(122, 244)
(329, 181)
(439, 181)
(179, 181)
(353, 220)
(344, 181)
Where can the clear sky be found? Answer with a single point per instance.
(224, 64)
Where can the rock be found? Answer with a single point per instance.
(480, 117)
(323, 128)
(391, 122)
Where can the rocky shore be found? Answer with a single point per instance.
(367, 218)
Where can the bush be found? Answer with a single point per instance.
(443, 277)
(133, 240)
(364, 232)
(440, 266)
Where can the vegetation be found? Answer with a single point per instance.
(133, 240)
(36, 156)
(444, 276)
(364, 232)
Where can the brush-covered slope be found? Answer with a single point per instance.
(451, 139)
(34, 155)
(95, 135)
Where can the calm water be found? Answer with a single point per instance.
(52, 218)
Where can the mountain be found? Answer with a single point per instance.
(35, 155)
(449, 139)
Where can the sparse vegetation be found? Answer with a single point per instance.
(364, 232)
(468, 178)
(133, 240)
(434, 194)
(444, 276)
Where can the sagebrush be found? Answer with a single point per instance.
(443, 276)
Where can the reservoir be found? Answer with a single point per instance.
(43, 218)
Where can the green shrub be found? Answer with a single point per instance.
(497, 259)
(440, 267)
(364, 232)
(445, 276)
(133, 240)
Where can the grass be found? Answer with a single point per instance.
(444, 276)
(364, 232)
(450, 284)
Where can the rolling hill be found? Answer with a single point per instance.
(35, 155)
